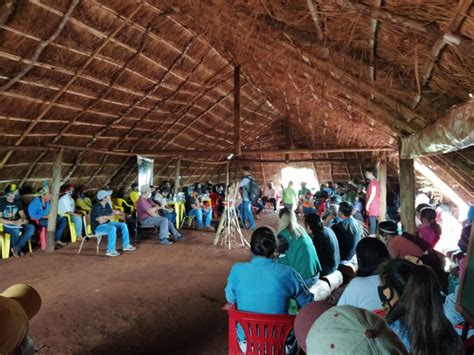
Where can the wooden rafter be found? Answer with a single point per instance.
(444, 39)
(48, 107)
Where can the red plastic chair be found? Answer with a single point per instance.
(265, 333)
(42, 233)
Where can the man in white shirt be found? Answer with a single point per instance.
(67, 206)
(270, 196)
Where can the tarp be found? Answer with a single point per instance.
(453, 132)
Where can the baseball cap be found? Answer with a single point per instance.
(135, 184)
(389, 227)
(351, 330)
(103, 194)
(305, 319)
(18, 304)
(11, 188)
(145, 188)
(42, 190)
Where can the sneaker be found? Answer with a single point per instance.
(129, 247)
(179, 237)
(209, 228)
(165, 242)
(112, 253)
(61, 244)
(15, 253)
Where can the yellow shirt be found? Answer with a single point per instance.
(84, 204)
(134, 196)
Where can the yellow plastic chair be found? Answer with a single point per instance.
(119, 203)
(72, 228)
(5, 241)
(89, 235)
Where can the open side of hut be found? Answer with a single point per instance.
(333, 85)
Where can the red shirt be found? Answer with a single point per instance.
(374, 207)
(399, 247)
(143, 205)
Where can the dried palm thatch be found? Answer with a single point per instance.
(154, 75)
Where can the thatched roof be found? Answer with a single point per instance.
(158, 75)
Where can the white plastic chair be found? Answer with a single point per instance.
(89, 235)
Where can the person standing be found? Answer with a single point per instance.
(372, 205)
(289, 196)
(246, 205)
(14, 220)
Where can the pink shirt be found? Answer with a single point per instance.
(430, 233)
(374, 208)
(143, 205)
(399, 247)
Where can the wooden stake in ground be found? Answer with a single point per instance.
(229, 227)
(53, 212)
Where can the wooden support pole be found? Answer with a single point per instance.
(176, 176)
(382, 177)
(227, 174)
(237, 137)
(53, 212)
(407, 195)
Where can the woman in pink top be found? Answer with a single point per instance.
(372, 205)
(429, 231)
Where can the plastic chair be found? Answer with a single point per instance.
(72, 227)
(5, 241)
(42, 233)
(264, 333)
(189, 221)
(89, 234)
(119, 204)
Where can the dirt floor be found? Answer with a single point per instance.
(156, 300)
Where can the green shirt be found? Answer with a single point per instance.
(289, 195)
(303, 191)
(301, 255)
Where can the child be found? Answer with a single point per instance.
(429, 231)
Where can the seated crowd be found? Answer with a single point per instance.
(147, 207)
(398, 276)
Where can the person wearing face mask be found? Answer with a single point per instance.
(83, 202)
(66, 206)
(39, 209)
(411, 297)
(14, 220)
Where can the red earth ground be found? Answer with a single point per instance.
(156, 300)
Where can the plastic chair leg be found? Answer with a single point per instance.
(99, 239)
(43, 238)
(30, 249)
(80, 247)
(5, 239)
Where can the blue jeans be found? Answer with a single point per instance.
(199, 213)
(246, 214)
(372, 225)
(289, 206)
(110, 229)
(61, 223)
(16, 241)
(164, 224)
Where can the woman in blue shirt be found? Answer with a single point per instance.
(263, 285)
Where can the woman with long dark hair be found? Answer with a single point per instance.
(362, 290)
(412, 296)
(325, 242)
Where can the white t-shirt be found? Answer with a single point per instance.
(65, 204)
(362, 292)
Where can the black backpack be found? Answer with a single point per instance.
(252, 189)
